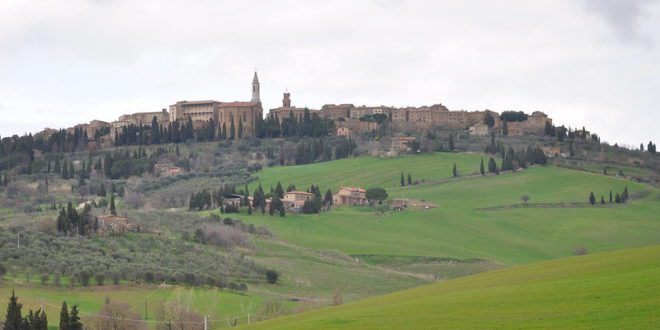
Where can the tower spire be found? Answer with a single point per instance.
(255, 88)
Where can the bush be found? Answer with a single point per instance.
(580, 251)
(100, 279)
(272, 276)
(44, 279)
(84, 277)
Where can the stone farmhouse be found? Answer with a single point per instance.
(350, 196)
(294, 200)
(114, 224)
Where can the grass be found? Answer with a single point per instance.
(215, 303)
(606, 290)
(369, 171)
(455, 229)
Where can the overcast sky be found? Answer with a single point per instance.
(584, 62)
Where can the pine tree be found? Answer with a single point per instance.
(65, 320)
(481, 167)
(74, 319)
(58, 168)
(492, 166)
(327, 199)
(13, 319)
(592, 198)
(65, 171)
(113, 209)
(403, 181)
(454, 171)
(279, 190)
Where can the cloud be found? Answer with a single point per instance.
(64, 64)
(623, 16)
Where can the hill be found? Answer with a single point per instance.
(476, 217)
(607, 290)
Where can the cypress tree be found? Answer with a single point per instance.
(481, 167)
(409, 179)
(451, 142)
(65, 320)
(454, 171)
(403, 181)
(13, 319)
(592, 198)
(279, 190)
(58, 167)
(65, 171)
(602, 199)
(610, 196)
(113, 209)
(327, 199)
(74, 319)
(492, 166)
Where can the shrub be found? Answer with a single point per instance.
(580, 251)
(44, 279)
(272, 276)
(100, 279)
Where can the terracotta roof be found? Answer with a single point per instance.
(297, 192)
(353, 189)
(238, 104)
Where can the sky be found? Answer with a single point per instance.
(593, 63)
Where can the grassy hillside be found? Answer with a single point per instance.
(607, 290)
(370, 171)
(460, 226)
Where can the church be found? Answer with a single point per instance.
(241, 115)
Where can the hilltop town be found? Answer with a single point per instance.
(245, 119)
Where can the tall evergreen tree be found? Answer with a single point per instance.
(13, 319)
(451, 142)
(592, 198)
(74, 319)
(610, 196)
(403, 181)
(481, 167)
(113, 209)
(65, 320)
(409, 179)
(492, 166)
(454, 171)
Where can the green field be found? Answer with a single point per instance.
(477, 225)
(613, 290)
(144, 301)
(456, 228)
(370, 171)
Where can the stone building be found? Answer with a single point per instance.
(350, 196)
(337, 111)
(534, 125)
(243, 115)
(286, 110)
(479, 129)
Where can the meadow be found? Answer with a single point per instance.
(459, 227)
(606, 290)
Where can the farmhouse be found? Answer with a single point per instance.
(402, 143)
(551, 151)
(350, 196)
(296, 199)
(167, 170)
(479, 129)
(114, 224)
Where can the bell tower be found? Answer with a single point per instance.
(255, 88)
